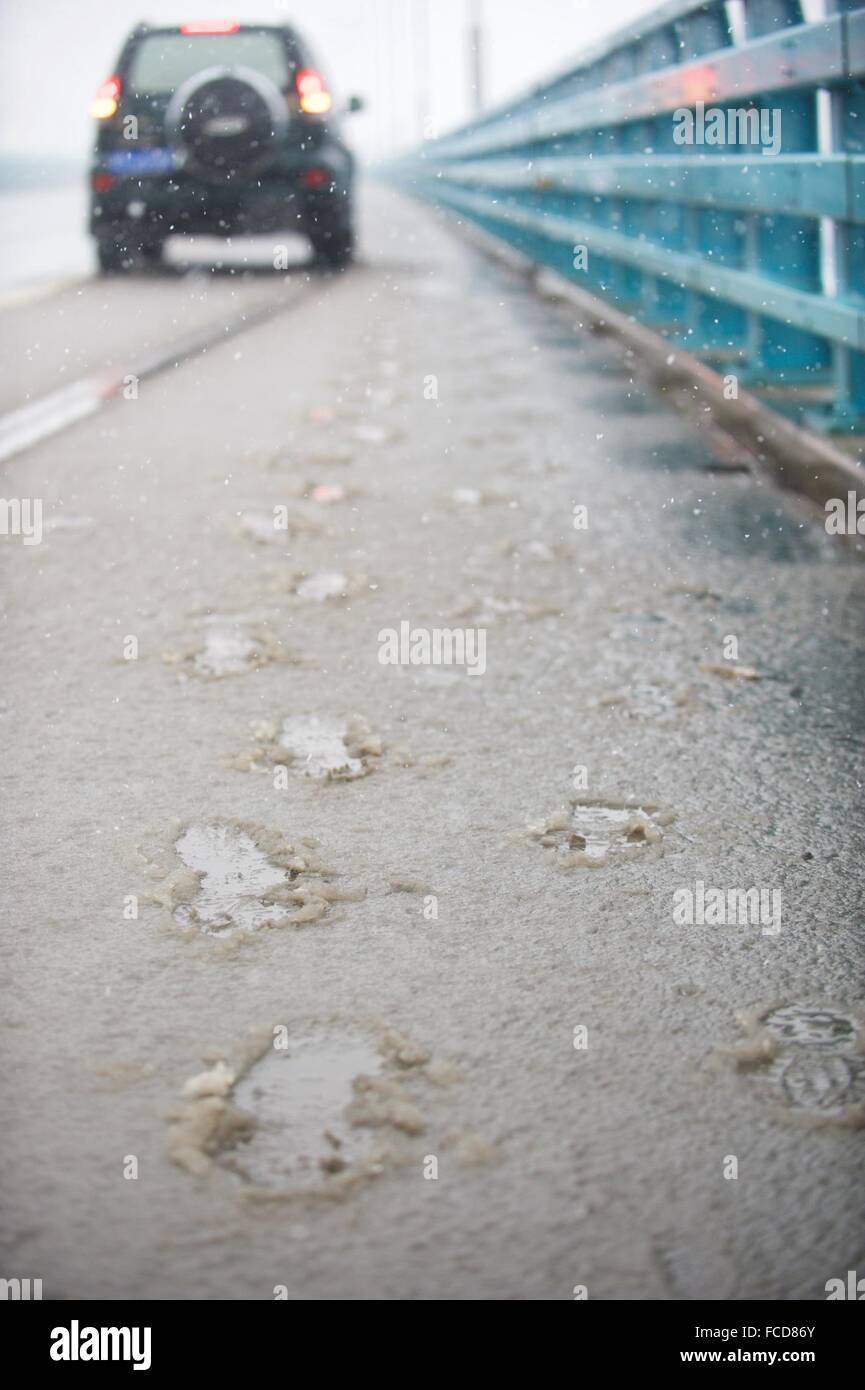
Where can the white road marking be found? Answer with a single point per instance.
(20, 429)
(30, 424)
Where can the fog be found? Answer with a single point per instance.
(53, 55)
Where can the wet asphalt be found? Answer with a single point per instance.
(454, 422)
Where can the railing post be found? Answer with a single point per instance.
(782, 247)
(847, 412)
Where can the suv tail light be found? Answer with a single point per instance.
(316, 178)
(107, 98)
(312, 91)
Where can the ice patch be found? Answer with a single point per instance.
(323, 748)
(225, 653)
(233, 645)
(320, 745)
(323, 585)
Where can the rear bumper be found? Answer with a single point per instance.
(160, 205)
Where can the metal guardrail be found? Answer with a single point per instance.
(751, 259)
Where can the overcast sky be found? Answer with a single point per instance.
(53, 54)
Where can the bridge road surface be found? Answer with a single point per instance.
(558, 1164)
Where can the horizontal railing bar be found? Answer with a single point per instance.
(815, 185)
(635, 32)
(806, 55)
(835, 319)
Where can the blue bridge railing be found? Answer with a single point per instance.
(704, 171)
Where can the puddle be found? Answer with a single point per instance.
(315, 1114)
(594, 834)
(235, 874)
(299, 1099)
(808, 1057)
(234, 877)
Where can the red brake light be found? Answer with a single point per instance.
(308, 80)
(315, 99)
(210, 26)
(100, 183)
(316, 178)
(107, 98)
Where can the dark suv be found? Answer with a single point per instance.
(219, 128)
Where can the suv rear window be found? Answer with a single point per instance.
(161, 62)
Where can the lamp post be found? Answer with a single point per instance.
(476, 55)
(422, 65)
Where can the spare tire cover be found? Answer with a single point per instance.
(227, 121)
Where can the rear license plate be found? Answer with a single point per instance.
(152, 161)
